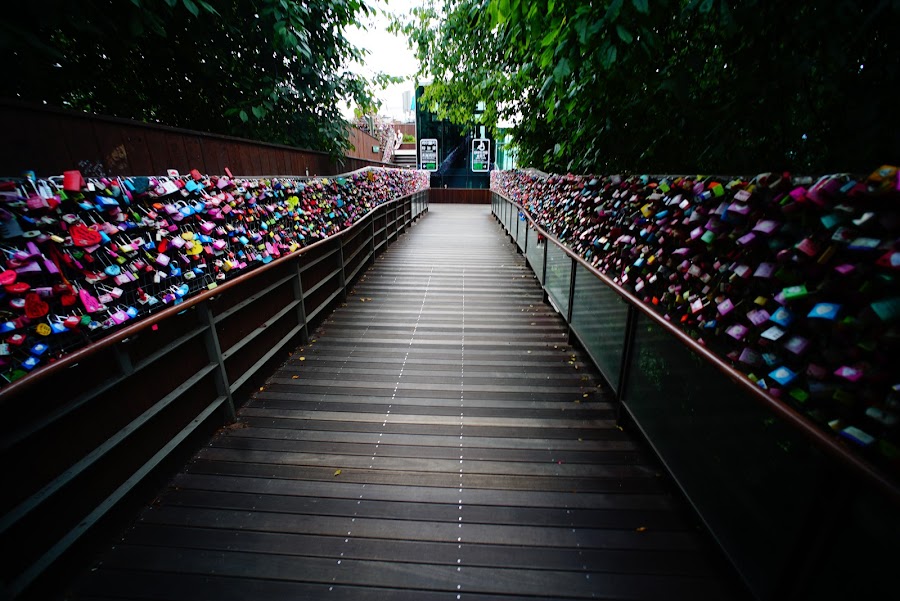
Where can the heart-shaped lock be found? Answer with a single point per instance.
(195, 249)
(35, 307)
(83, 236)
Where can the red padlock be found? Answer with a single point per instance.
(73, 181)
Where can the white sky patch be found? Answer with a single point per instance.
(387, 53)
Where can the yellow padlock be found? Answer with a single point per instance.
(195, 249)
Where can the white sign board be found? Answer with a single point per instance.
(481, 155)
(428, 154)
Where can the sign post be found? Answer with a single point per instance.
(428, 154)
(481, 155)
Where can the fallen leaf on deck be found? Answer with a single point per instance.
(337, 472)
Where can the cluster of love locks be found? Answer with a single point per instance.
(79, 257)
(793, 280)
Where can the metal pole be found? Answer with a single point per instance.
(214, 352)
(301, 306)
(343, 274)
(627, 348)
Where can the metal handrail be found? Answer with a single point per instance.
(827, 444)
(81, 354)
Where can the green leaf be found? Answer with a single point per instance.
(171, 3)
(581, 28)
(643, 6)
(243, 116)
(258, 112)
(208, 7)
(706, 6)
(609, 57)
(192, 8)
(550, 37)
(624, 35)
(613, 10)
(562, 70)
(546, 57)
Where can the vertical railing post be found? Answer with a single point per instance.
(570, 309)
(387, 225)
(343, 274)
(372, 234)
(214, 352)
(301, 305)
(627, 348)
(544, 265)
(516, 211)
(123, 359)
(525, 245)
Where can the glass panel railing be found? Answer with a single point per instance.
(535, 254)
(728, 453)
(863, 543)
(559, 272)
(600, 319)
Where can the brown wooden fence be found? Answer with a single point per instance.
(49, 141)
(469, 196)
(363, 143)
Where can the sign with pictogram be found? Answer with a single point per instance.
(428, 154)
(481, 155)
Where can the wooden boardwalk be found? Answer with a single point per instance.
(437, 440)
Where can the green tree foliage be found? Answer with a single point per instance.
(671, 85)
(264, 69)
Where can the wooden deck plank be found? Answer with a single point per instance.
(436, 439)
(446, 451)
(421, 441)
(578, 583)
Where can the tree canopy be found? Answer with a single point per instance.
(671, 86)
(270, 70)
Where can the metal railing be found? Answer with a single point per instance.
(797, 512)
(82, 434)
